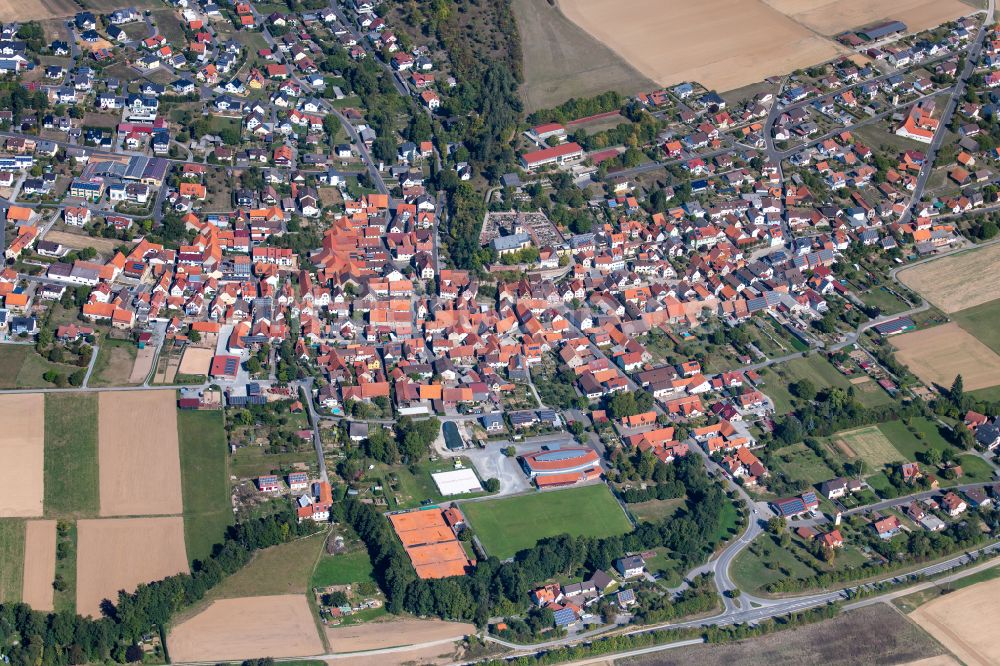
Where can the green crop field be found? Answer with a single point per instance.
(981, 322)
(204, 480)
(921, 435)
(71, 478)
(354, 567)
(506, 526)
(11, 559)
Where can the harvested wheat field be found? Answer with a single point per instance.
(35, 10)
(39, 563)
(937, 354)
(138, 459)
(831, 17)
(719, 43)
(965, 622)
(22, 450)
(119, 553)
(395, 633)
(195, 361)
(246, 628)
(958, 281)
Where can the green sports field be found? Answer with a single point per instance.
(505, 526)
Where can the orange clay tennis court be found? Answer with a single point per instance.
(431, 543)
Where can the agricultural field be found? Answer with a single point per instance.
(830, 17)
(981, 322)
(283, 569)
(120, 553)
(71, 477)
(958, 281)
(965, 622)
(873, 635)
(506, 526)
(11, 559)
(27, 10)
(22, 446)
(39, 564)
(279, 626)
(870, 444)
(716, 43)
(562, 61)
(936, 355)
(140, 475)
(204, 480)
(911, 602)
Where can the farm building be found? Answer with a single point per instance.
(881, 30)
(895, 326)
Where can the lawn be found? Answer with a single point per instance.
(283, 569)
(887, 302)
(71, 477)
(354, 567)
(821, 373)
(506, 526)
(801, 464)
(204, 480)
(922, 435)
(11, 559)
(880, 484)
(656, 510)
(729, 523)
(767, 562)
(981, 322)
(21, 367)
(113, 366)
(974, 470)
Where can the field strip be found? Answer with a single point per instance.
(22, 451)
(120, 553)
(245, 628)
(139, 459)
(936, 355)
(39, 564)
